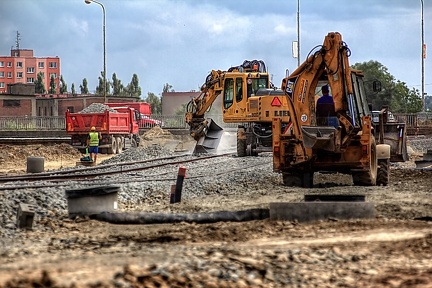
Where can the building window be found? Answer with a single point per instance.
(9, 74)
(30, 70)
(71, 109)
(1, 84)
(1, 74)
(11, 103)
(53, 75)
(19, 75)
(41, 65)
(52, 64)
(19, 65)
(30, 80)
(1, 63)
(9, 64)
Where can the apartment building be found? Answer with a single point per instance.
(22, 67)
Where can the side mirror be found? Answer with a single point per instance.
(376, 86)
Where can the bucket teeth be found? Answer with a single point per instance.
(210, 141)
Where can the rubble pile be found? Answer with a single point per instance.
(97, 108)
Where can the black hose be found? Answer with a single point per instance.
(203, 217)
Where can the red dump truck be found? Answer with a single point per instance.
(145, 113)
(119, 129)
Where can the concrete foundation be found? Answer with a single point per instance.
(315, 211)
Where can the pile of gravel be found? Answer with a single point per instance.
(97, 108)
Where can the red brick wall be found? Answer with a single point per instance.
(25, 107)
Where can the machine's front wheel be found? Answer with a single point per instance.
(368, 177)
(383, 172)
(241, 143)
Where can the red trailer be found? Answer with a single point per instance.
(119, 129)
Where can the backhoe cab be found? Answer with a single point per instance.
(347, 142)
(248, 99)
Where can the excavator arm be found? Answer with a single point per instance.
(198, 106)
(328, 64)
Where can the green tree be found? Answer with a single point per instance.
(73, 89)
(167, 88)
(39, 84)
(118, 88)
(84, 87)
(52, 89)
(99, 88)
(180, 110)
(394, 94)
(155, 103)
(405, 100)
(133, 89)
(373, 70)
(63, 85)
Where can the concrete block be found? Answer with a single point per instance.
(93, 200)
(25, 216)
(315, 211)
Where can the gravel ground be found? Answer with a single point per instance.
(393, 250)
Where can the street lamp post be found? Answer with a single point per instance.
(422, 57)
(104, 47)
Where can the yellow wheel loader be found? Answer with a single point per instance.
(248, 99)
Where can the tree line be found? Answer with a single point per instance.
(394, 93)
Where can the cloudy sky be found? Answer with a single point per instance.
(180, 41)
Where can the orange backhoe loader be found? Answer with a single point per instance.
(346, 141)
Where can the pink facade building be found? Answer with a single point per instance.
(22, 67)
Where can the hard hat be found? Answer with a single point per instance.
(93, 128)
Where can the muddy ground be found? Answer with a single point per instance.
(394, 249)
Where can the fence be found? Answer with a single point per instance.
(58, 123)
(419, 120)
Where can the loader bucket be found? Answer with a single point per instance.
(210, 141)
(395, 136)
(319, 137)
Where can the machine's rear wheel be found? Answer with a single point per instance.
(383, 172)
(369, 177)
(298, 179)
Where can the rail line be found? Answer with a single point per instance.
(124, 167)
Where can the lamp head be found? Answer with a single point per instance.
(87, 1)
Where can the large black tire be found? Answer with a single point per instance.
(134, 143)
(241, 146)
(113, 148)
(369, 177)
(304, 180)
(383, 172)
(119, 141)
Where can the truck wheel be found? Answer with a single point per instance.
(134, 143)
(241, 147)
(113, 148)
(383, 172)
(369, 177)
(298, 179)
(119, 141)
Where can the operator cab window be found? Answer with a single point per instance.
(254, 84)
(228, 93)
(239, 89)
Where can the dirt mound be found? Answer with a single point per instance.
(19, 153)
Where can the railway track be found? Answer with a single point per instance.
(92, 174)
